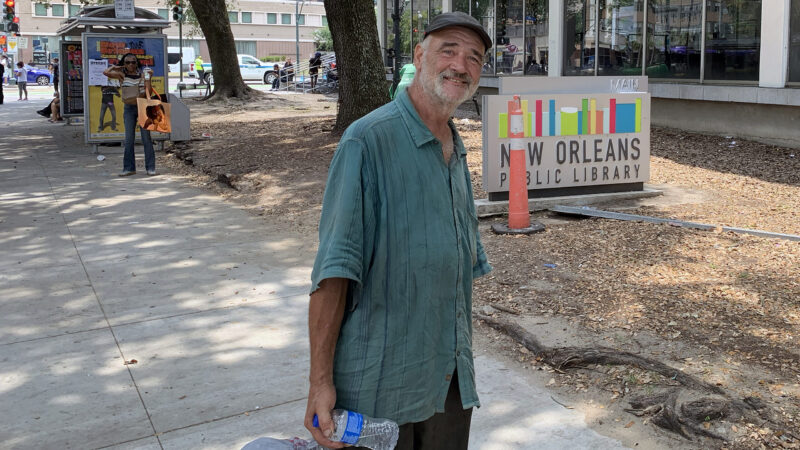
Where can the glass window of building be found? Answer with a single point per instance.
(580, 36)
(194, 44)
(301, 19)
(435, 7)
(674, 39)
(324, 21)
(404, 53)
(272, 18)
(420, 17)
(74, 10)
(286, 19)
(233, 17)
(508, 54)
(164, 13)
(536, 37)
(245, 47)
(794, 41)
(733, 39)
(40, 9)
(620, 41)
(247, 17)
(57, 10)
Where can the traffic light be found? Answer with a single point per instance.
(177, 11)
(8, 11)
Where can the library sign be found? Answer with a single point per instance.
(570, 141)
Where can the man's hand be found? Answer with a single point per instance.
(325, 312)
(321, 399)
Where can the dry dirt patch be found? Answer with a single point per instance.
(722, 307)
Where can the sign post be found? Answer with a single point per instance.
(13, 43)
(123, 9)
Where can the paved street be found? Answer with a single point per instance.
(205, 303)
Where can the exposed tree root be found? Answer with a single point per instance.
(678, 409)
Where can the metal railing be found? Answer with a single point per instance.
(300, 80)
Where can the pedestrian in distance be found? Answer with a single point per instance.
(6, 63)
(313, 68)
(2, 77)
(55, 74)
(198, 66)
(288, 68)
(276, 82)
(135, 83)
(22, 80)
(390, 322)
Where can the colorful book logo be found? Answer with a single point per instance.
(587, 119)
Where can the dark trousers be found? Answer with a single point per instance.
(1, 92)
(444, 431)
(201, 74)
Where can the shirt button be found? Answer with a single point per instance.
(458, 352)
(459, 314)
(447, 377)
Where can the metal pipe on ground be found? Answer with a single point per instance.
(592, 212)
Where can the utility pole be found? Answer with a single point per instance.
(297, 10)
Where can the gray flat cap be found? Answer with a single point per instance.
(459, 19)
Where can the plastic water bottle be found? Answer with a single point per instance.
(268, 443)
(357, 429)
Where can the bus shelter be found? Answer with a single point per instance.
(95, 39)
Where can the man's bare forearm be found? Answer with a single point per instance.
(325, 313)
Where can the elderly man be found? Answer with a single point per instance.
(390, 313)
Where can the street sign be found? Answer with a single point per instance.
(22, 42)
(2, 39)
(12, 44)
(123, 9)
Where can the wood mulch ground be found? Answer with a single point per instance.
(721, 306)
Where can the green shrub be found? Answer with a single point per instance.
(273, 58)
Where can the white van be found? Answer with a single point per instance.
(173, 58)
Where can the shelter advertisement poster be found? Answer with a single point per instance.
(104, 118)
(71, 78)
(569, 140)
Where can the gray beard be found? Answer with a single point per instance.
(436, 93)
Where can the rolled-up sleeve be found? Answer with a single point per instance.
(482, 266)
(341, 227)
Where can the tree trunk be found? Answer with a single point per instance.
(362, 79)
(212, 15)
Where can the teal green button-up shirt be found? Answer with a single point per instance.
(401, 225)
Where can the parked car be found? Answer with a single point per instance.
(250, 67)
(42, 77)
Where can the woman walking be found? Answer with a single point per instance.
(135, 83)
(22, 80)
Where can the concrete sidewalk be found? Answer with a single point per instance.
(97, 271)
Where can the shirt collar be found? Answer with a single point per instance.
(420, 133)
